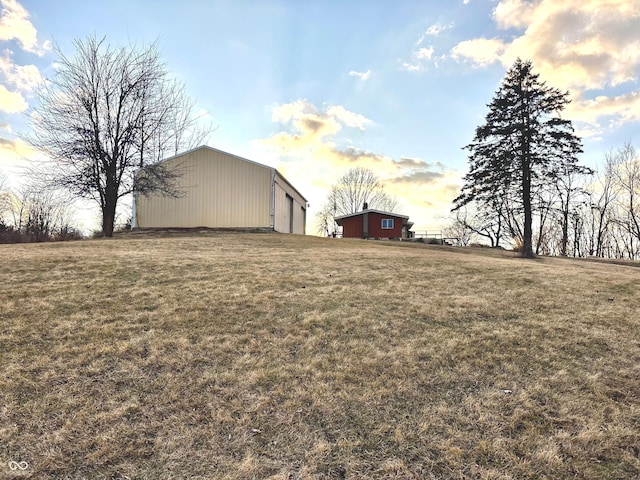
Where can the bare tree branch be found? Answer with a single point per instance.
(108, 113)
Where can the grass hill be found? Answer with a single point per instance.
(273, 356)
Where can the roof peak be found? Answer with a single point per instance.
(373, 210)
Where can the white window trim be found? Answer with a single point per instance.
(387, 221)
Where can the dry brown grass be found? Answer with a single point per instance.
(270, 356)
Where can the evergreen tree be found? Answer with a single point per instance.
(523, 144)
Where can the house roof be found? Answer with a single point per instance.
(371, 210)
(207, 147)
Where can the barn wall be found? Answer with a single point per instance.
(290, 207)
(220, 190)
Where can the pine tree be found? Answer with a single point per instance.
(523, 144)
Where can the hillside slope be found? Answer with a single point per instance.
(273, 356)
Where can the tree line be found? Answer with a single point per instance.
(33, 214)
(582, 214)
(526, 188)
(111, 113)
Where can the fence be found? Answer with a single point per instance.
(435, 237)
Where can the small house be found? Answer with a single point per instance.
(371, 223)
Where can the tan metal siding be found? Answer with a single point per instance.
(284, 210)
(220, 190)
(299, 219)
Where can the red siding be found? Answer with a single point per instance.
(352, 226)
(376, 230)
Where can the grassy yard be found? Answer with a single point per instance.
(246, 356)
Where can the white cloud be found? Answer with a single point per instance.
(348, 118)
(364, 76)
(15, 25)
(24, 78)
(437, 28)
(514, 13)
(424, 53)
(12, 102)
(420, 58)
(17, 80)
(481, 51)
(411, 67)
(618, 109)
(575, 45)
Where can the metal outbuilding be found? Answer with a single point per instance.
(221, 190)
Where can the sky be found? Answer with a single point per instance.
(316, 87)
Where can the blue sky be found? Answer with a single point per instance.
(317, 87)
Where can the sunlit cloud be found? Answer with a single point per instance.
(15, 152)
(15, 25)
(482, 51)
(618, 109)
(350, 119)
(310, 138)
(12, 102)
(575, 45)
(17, 81)
(24, 78)
(514, 14)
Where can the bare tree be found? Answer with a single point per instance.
(107, 113)
(458, 229)
(357, 187)
(31, 214)
(604, 194)
(5, 203)
(627, 175)
(569, 186)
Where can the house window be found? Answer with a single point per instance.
(387, 223)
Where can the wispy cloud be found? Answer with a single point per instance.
(437, 28)
(423, 55)
(364, 76)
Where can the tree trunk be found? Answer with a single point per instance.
(527, 243)
(565, 230)
(108, 217)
